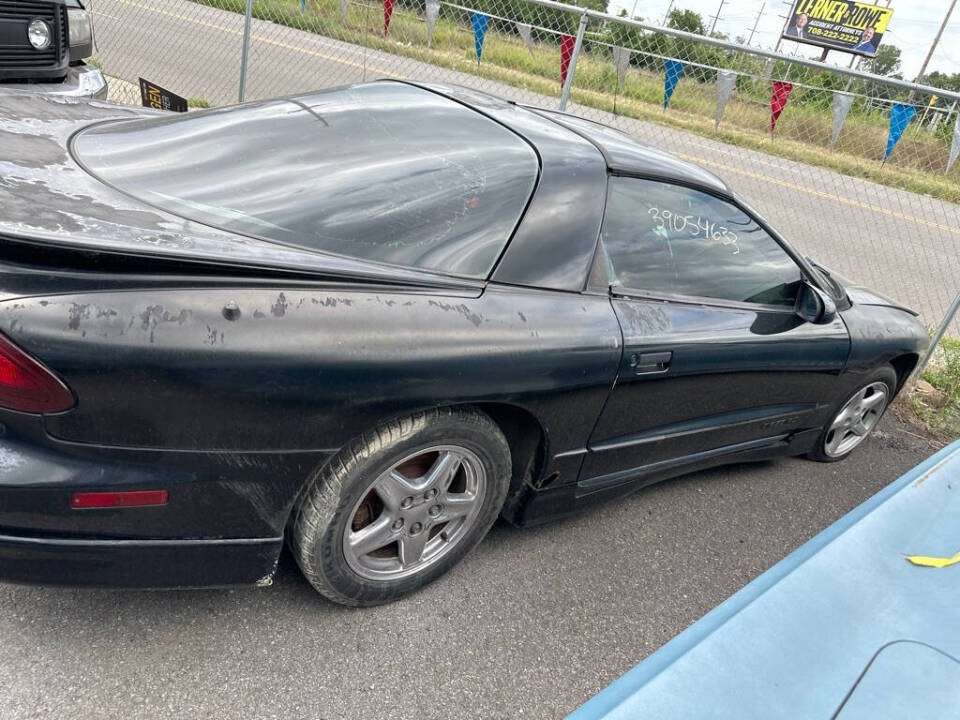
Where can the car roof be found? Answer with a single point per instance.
(625, 154)
(621, 152)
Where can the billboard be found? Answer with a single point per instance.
(853, 27)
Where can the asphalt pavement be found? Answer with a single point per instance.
(531, 624)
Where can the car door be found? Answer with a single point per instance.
(716, 361)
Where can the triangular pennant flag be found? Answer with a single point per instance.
(674, 69)
(621, 58)
(433, 12)
(954, 146)
(842, 101)
(726, 84)
(344, 4)
(524, 31)
(778, 101)
(387, 12)
(567, 43)
(900, 117)
(479, 30)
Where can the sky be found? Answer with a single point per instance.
(912, 28)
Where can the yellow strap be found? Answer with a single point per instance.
(933, 561)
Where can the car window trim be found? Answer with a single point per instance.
(637, 294)
(806, 274)
(587, 286)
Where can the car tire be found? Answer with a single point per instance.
(841, 435)
(432, 484)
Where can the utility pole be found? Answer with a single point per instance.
(667, 13)
(717, 17)
(785, 18)
(936, 40)
(755, 24)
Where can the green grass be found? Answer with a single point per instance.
(803, 131)
(199, 103)
(941, 414)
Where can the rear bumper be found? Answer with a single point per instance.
(222, 523)
(81, 82)
(138, 563)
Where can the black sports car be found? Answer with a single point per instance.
(371, 320)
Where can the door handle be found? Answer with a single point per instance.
(647, 363)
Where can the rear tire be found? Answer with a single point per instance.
(400, 505)
(855, 417)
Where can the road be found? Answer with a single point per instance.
(903, 244)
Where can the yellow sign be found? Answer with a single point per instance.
(853, 27)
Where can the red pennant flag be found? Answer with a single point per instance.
(387, 12)
(778, 101)
(566, 52)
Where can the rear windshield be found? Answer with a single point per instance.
(385, 172)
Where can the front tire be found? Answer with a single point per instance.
(856, 417)
(400, 505)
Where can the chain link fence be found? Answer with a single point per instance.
(891, 220)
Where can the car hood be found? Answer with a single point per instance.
(47, 197)
(860, 295)
(843, 627)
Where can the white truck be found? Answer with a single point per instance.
(43, 48)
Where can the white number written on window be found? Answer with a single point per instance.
(696, 226)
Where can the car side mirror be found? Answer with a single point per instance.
(815, 306)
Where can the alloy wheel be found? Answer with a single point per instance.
(856, 419)
(414, 513)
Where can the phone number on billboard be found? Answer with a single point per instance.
(831, 35)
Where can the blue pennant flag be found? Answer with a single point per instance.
(479, 30)
(303, 5)
(674, 71)
(900, 117)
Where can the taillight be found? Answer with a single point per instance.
(27, 385)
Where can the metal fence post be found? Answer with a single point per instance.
(568, 84)
(938, 336)
(246, 50)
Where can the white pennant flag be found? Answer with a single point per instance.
(343, 11)
(726, 84)
(954, 146)
(621, 58)
(841, 107)
(523, 30)
(433, 12)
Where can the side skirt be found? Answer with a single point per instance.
(532, 506)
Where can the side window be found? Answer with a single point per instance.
(674, 240)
